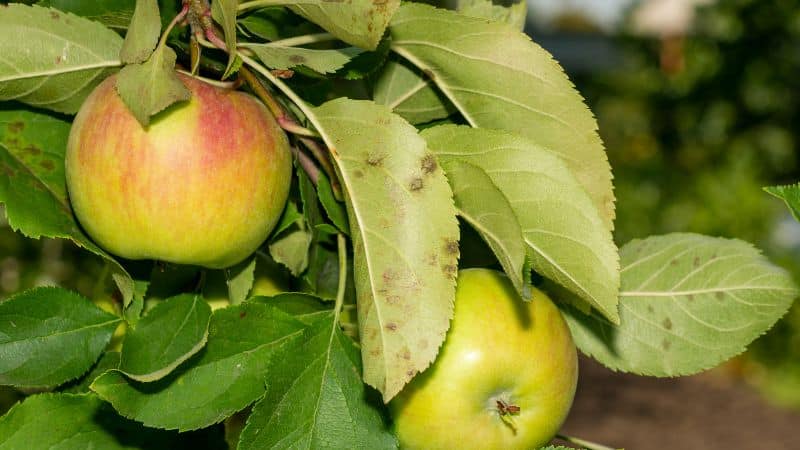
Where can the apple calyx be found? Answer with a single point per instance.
(506, 411)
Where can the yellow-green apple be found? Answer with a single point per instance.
(203, 184)
(504, 378)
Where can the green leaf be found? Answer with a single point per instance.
(688, 302)
(72, 55)
(109, 361)
(239, 279)
(229, 374)
(289, 217)
(49, 336)
(512, 12)
(290, 248)
(410, 94)
(224, 13)
(481, 204)
(150, 87)
(790, 194)
(115, 14)
(564, 233)
(55, 421)
(316, 398)
(405, 280)
(143, 33)
(357, 22)
(283, 57)
(498, 78)
(33, 186)
(83, 421)
(303, 307)
(335, 210)
(165, 337)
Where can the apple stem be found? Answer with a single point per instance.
(307, 164)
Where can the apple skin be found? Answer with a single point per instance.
(498, 348)
(203, 184)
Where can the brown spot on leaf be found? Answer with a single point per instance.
(58, 59)
(696, 261)
(54, 15)
(47, 164)
(242, 315)
(411, 373)
(450, 270)
(650, 309)
(33, 150)
(16, 127)
(7, 171)
(673, 262)
(428, 164)
(690, 297)
(451, 246)
(429, 73)
(665, 344)
(406, 354)
(297, 59)
(416, 184)
(719, 295)
(667, 324)
(375, 160)
(391, 326)
(393, 299)
(358, 174)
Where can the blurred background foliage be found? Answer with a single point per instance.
(695, 121)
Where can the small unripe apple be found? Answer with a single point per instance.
(504, 378)
(203, 184)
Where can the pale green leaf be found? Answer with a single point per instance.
(115, 14)
(52, 59)
(33, 187)
(405, 238)
(357, 22)
(410, 94)
(498, 78)
(512, 12)
(230, 373)
(277, 56)
(482, 205)
(790, 194)
(49, 336)
(290, 248)
(688, 302)
(316, 398)
(224, 13)
(239, 279)
(143, 33)
(165, 337)
(564, 233)
(150, 87)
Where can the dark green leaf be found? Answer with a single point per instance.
(282, 57)
(304, 307)
(109, 361)
(316, 398)
(226, 376)
(49, 336)
(333, 208)
(165, 337)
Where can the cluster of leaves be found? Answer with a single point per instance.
(449, 117)
(692, 144)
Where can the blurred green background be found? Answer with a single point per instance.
(696, 118)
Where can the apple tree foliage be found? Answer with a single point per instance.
(413, 126)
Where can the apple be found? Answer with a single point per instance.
(203, 184)
(504, 378)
